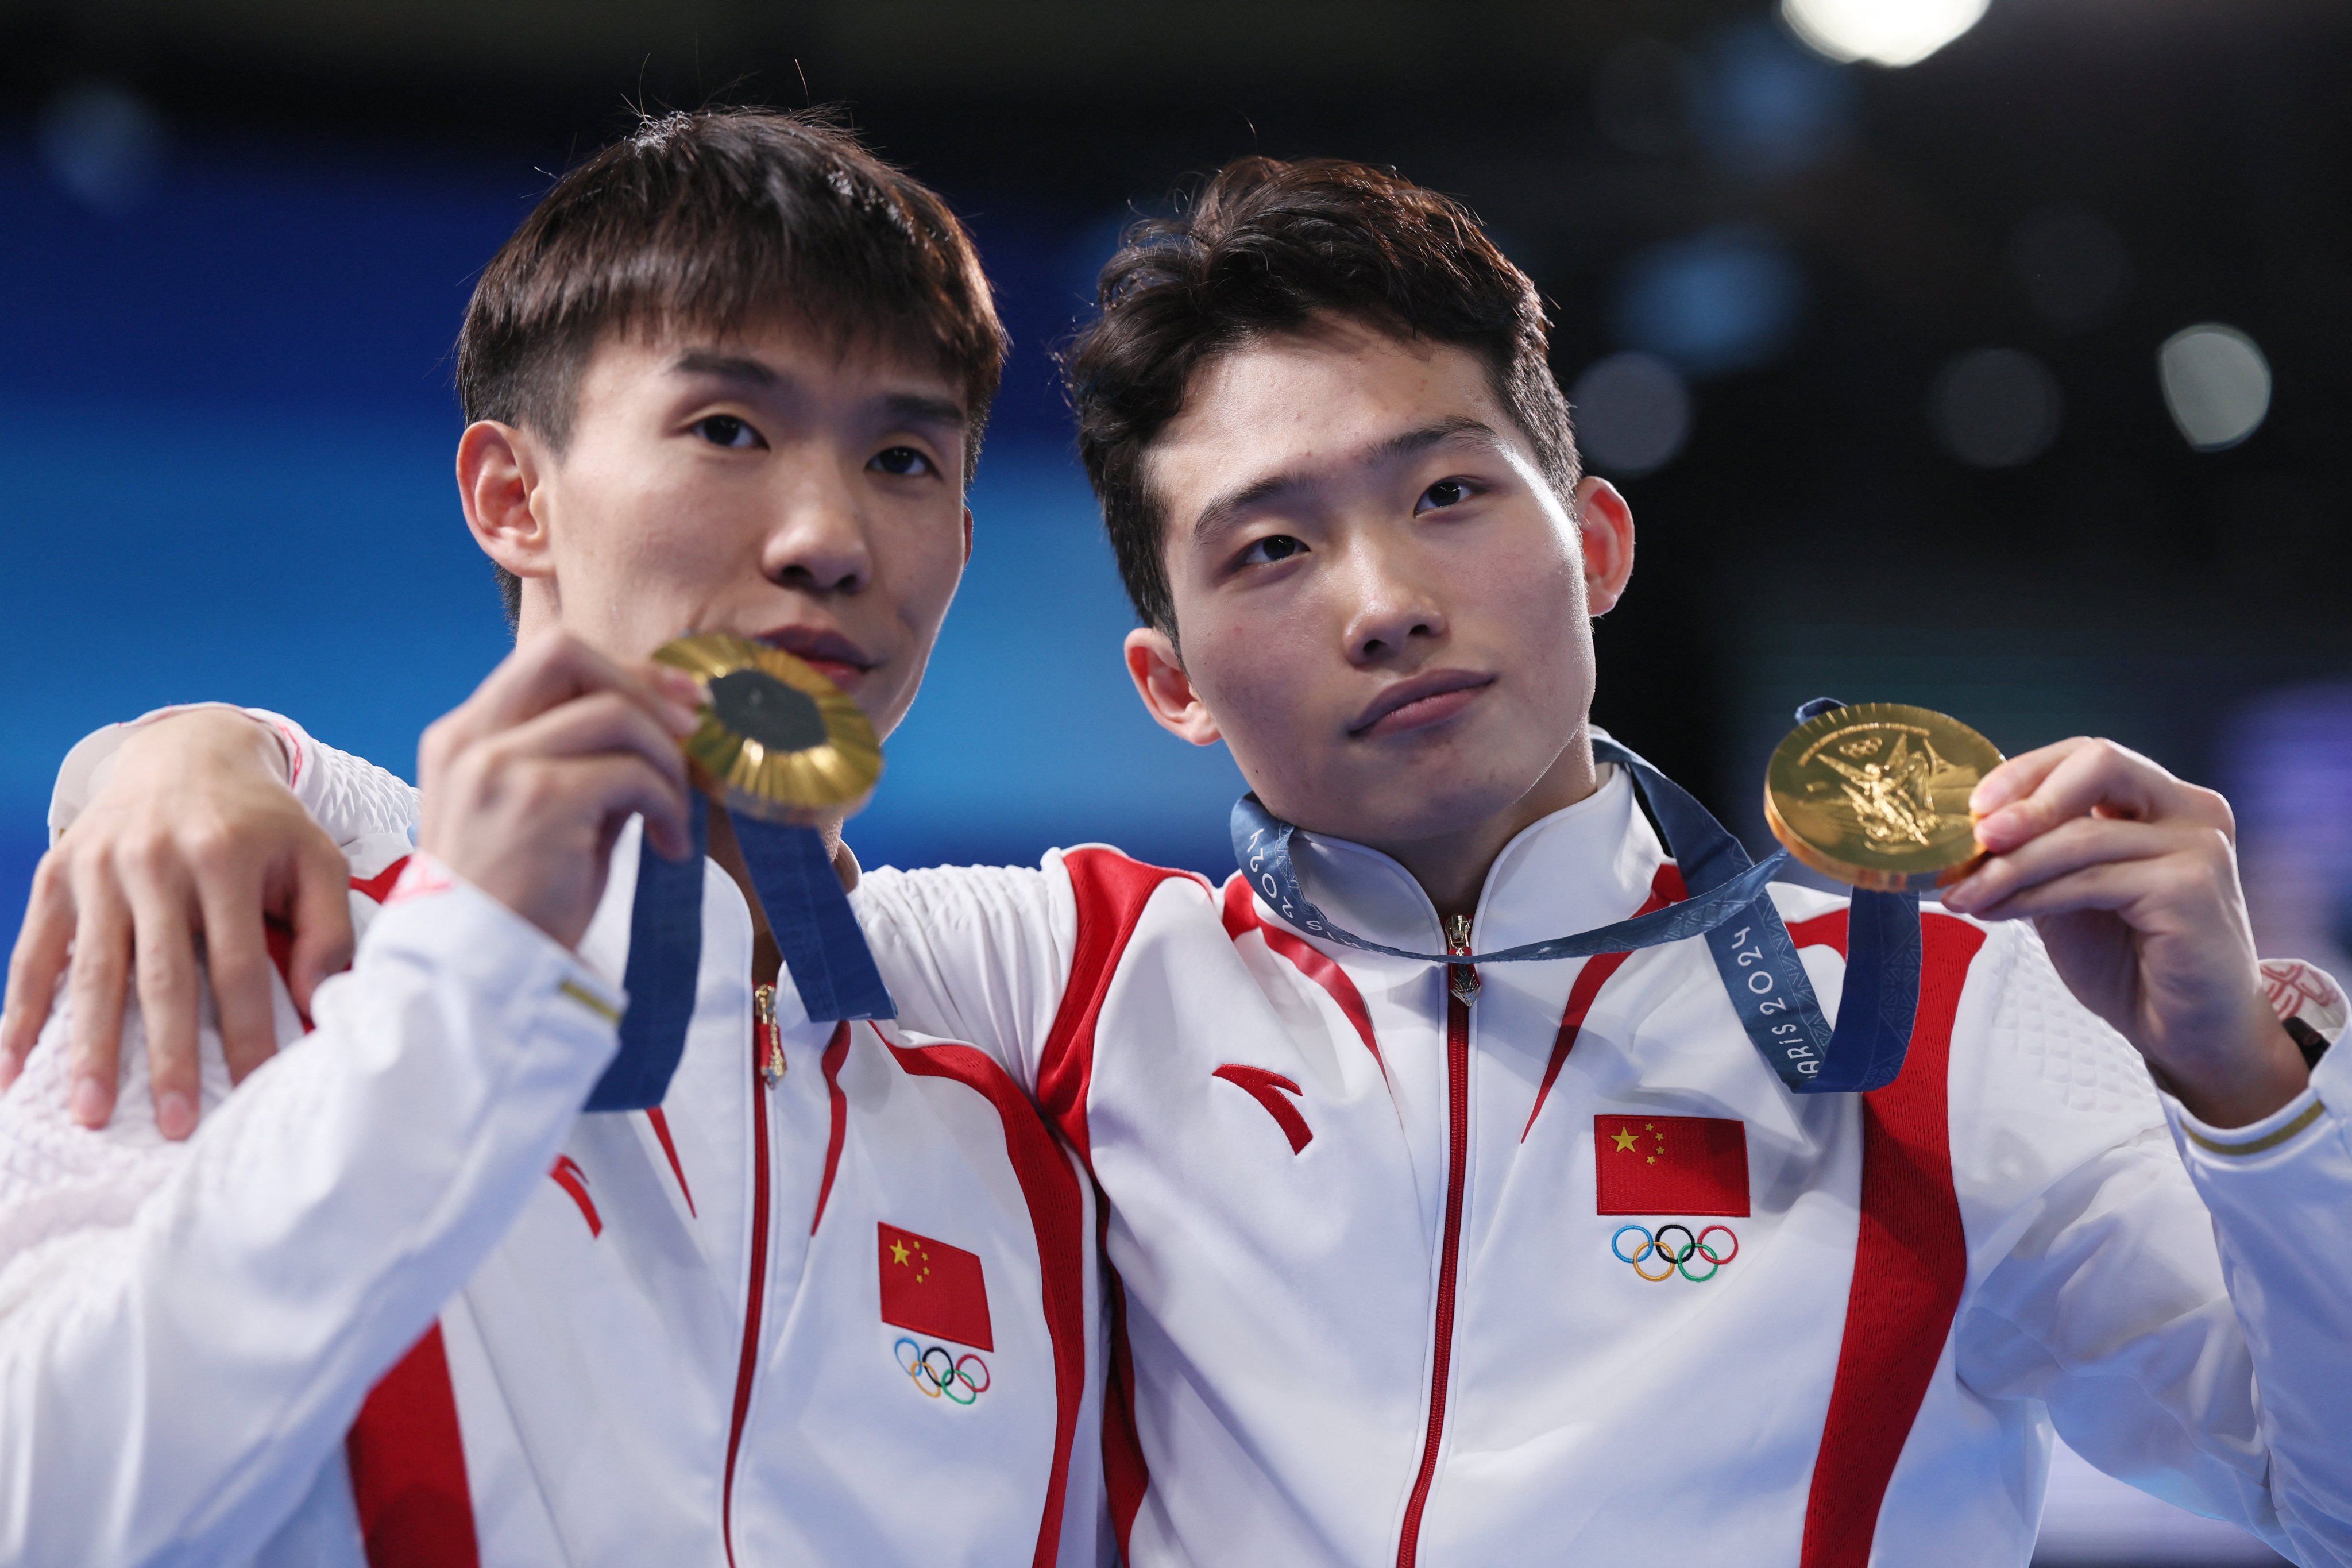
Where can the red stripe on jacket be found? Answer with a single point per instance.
(1057, 1214)
(837, 1051)
(1666, 888)
(406, 1457)
(408, 1466)
(660, 1124)
(1241, 918)
(1112, 892)
(1910, 1257)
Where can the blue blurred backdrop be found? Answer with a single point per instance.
(225, 433)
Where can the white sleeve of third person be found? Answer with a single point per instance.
(187, 1332)
(346, 796)
(975, 953)
(2178, 1295)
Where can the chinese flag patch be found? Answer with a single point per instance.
(937, 1290)
(1671, 1165)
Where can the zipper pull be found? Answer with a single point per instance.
(767, 1038)
(1461, 978)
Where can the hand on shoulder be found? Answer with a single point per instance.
(192, 833)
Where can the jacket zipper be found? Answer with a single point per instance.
(767, 1037)
(1461, 991)
(767, 1064)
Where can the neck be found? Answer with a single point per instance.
(767, 958)
(1452, 867)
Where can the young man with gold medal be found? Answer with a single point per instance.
(1485, 1177)
(605, 1217)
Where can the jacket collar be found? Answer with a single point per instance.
(1583, 866)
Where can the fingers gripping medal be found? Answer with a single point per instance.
(1876, 796)
(783, 749)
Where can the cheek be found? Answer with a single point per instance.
(1535, 595)
(1259, 680)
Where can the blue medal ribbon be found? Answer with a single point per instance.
(1728, 905)
(808, 914)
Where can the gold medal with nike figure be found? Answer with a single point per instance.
(778, 741)
(1876, 796)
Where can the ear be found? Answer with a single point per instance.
(967, 536)
(1604, 525)
(499, 471)
(1166, 691)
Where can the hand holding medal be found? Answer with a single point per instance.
(785, 752)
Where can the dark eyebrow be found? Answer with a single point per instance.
(1222, 510)
(902, 407)
(923, 408)
(1428, 436)
(727, 368)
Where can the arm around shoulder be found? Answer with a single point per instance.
(976, 954)
(184, 1371)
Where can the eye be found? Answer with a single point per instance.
(1273, 547)
(904, 462)
(1446, 493)
(727, 430)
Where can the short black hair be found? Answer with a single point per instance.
(722, 218)
(1268, 247)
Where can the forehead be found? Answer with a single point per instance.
(785, 353)
(1303, 404)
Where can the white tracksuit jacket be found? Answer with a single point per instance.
(660, 1338)
(1365, 1308)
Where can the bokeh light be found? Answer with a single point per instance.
(103, 144)
(2216, 382)
(1632, 414)
(1723, 300)
(1995, 408)
(1884, 32)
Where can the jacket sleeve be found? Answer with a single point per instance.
(186, 1332)
(349, 796)
(2174, 1293)
(975, 953)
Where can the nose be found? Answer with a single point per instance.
(820, 546)
(1394, 613)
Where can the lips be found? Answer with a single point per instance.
(1428, 698)
(828, 652)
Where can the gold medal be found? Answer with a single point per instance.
(778, 741)
(1876, 794)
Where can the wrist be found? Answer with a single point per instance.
(212, 731)
(2263, 1070)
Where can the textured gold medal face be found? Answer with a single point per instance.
(1876, 794)
(778, 740)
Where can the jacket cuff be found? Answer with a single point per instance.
(466, 938)
(2297, 990)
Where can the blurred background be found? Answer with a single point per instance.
(1997, 358)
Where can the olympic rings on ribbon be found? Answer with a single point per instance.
(1677, 1257)
(939, 1372)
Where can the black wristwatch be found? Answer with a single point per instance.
(2308, 1040)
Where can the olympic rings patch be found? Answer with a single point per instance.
(1677, 1255)
(939, 1372)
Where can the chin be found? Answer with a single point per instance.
(1399, 814)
